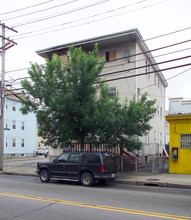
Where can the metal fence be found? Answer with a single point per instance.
(130, 161)
(149, 164)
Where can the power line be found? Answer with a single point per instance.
(132, 55)
(168, 78)
(25, 8)
(63, 13)
(134, 75)
(165, 54)
(88, 22)
(137, 75)
(153, 50)
(42, 10)
(140, 67)
(85, 18)
(141, 74)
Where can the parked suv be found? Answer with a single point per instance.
(85, 167)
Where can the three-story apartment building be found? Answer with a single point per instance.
(130, 70)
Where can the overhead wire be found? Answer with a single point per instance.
(85, 18)
(167, 78)
(149, 51)
(42, 10)
(88, 22)
(140, 74)
(4, 13)
(149, 39)
(61, 14)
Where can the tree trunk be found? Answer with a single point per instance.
(82, 144)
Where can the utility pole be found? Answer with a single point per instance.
(6, 44)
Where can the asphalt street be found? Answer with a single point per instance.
(25, 197)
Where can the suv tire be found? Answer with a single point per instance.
(87, 179)
(44, 176)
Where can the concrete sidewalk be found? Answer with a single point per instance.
(156, 179)
(153, 179)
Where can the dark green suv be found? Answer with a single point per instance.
(85, 167)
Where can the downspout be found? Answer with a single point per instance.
(136, 72)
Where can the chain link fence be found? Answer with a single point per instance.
(149, 164)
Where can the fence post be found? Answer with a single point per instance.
(153, 164)
(121, 160)
(136, 161)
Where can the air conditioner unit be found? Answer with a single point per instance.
(112, 90)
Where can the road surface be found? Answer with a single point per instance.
(24, 197)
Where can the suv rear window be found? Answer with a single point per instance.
(109, 158)
(91, 158)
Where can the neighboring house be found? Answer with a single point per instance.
(127, 56)
(19, 130)
(179, 119)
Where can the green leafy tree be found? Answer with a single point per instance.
(71, 106)
(122, 124)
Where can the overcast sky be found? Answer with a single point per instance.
(45, 23)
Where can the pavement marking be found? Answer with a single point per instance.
(109, 208)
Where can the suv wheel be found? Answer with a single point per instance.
(87, 179)
(44, 176)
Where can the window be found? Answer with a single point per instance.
(148, 137)
(161, 113)
(155, 79)
(91, 158)
(147, 69)
(161, 88)
(6, 123)
(6, 143)
(110, 55)
(65, 57)
(185, 140)
(160, 138)
(112, 91)
(158, 83)
(13, 142)
(154, 136)
(13, 108)
(14, 125)
(75, 158)
(22, 125)
(63, 158)
(22, 143)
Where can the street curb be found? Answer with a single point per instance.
(153, 183)
(121, 181)
(19, 174)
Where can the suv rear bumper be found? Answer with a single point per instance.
(105, 176)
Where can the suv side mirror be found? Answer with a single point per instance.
(54, 161)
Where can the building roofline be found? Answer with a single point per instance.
(178, 117)
(90, 40)
(134, 33)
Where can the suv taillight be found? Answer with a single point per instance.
(102, 168)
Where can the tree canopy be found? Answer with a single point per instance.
(72, 104)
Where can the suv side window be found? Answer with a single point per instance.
(91, 158)
(75, 158)
(63, 158)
